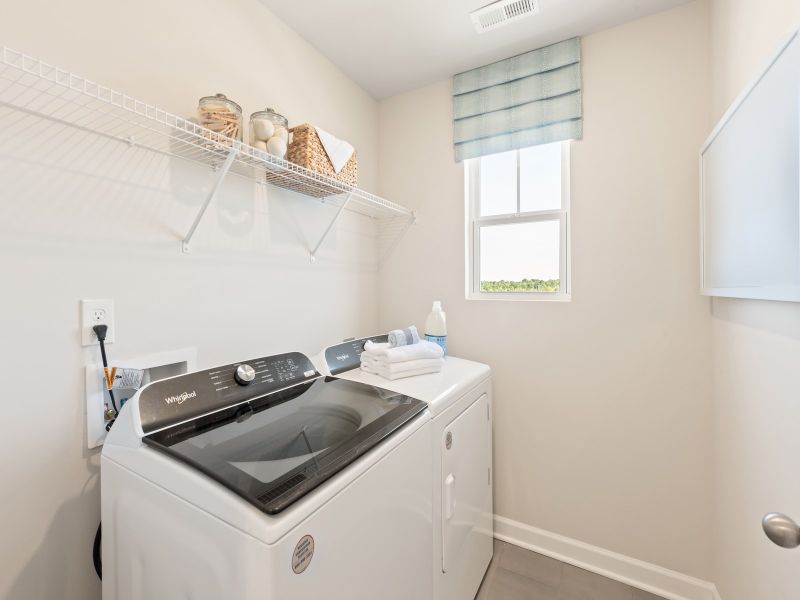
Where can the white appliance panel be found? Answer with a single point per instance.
(156, 545)
(371, 540)
(466, 482)
(374, 540)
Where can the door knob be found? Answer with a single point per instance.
(782, 530)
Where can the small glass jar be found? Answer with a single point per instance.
(269, 132)
(221, 115)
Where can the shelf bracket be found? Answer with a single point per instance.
(226, 166)
(329, 228)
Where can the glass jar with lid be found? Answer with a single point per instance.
(269, 132)
(221, 115)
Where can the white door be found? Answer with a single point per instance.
(466, 488)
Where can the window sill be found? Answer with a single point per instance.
(520, 296)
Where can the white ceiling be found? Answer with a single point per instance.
(391, 46)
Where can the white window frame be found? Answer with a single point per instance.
(474, 222)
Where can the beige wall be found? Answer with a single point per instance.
(82, 217)
(602, 418)
(756, 358)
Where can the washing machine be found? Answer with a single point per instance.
(265, 479)
(459, 400)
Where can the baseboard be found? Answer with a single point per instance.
(637, 573)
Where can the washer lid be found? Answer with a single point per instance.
(274, 449)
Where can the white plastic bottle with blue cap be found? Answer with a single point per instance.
(436, 326)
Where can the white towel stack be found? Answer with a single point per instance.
(402, 361)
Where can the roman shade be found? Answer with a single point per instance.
(525, 100)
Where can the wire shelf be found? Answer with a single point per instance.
(37, 88)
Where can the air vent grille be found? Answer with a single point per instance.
(501, 13)
(280, 490)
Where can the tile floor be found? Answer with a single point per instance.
(519, 574)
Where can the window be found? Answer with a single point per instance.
(518, 224)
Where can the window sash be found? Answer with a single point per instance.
(560, 216)
(475, 222)
(534, 215)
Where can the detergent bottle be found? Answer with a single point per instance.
(436, 326)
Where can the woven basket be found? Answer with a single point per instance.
(307, 150)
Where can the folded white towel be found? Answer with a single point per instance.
(403, 337)
(337, 150)
(392, 372)
(377, 364)
(423, 349)
(374, 347)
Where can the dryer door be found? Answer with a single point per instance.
(466, 485)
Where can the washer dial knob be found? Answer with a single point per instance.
(244, 374)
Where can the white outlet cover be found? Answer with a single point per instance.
(96, 312)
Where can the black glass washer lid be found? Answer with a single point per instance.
(274, 449)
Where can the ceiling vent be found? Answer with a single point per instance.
(502, 13)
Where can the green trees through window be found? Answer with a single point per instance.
(525, 285)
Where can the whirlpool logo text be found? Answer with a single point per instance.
(180, 398)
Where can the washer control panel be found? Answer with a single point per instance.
(177, 399)
(347, 355)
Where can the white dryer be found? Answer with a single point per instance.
(265, 480)
(459, 402)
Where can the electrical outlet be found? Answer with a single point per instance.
(96, 312)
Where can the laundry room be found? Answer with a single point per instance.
(430, 300)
